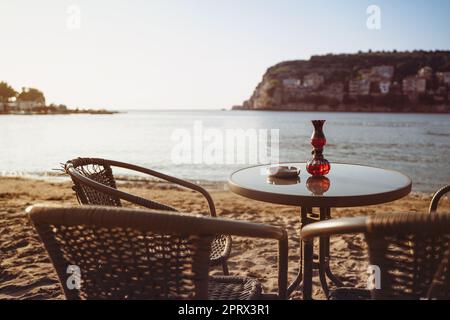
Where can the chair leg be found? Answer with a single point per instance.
(225, 268)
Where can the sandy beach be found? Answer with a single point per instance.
(26, 272)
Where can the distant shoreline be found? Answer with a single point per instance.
(419, 109)
(235, 108)
(136, 180)
(58, 176)
(68, 112)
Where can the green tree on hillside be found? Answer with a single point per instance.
(31, 94)
(6, 93)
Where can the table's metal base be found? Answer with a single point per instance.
(308, 261)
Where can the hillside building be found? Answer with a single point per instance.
(359, 88)
(292, 83)
(313, 80)
(426, 73)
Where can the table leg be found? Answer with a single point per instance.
(308, 254)
(323, 264)
(308, 263)
(324, 248)
(326, 251)
(298, 280)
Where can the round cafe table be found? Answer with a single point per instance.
(346, 185)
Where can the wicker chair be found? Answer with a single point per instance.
(440, 287)
(437, 197)
(94, 184)
(124, 253)
(411, 250)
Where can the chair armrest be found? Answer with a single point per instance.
(334, 227)
(183, 183)
(437, 197)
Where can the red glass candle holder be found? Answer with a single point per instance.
(318, 165)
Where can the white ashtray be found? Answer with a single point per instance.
(283, 172)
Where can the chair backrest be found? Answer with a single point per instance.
(408, 250)
(94, 184)
(124, 254)
(99, 171)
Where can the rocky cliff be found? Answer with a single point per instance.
(416, 81)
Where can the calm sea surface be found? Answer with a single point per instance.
(415, 144)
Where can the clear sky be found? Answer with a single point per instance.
(149, 54)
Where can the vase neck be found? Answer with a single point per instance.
(318, 124)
